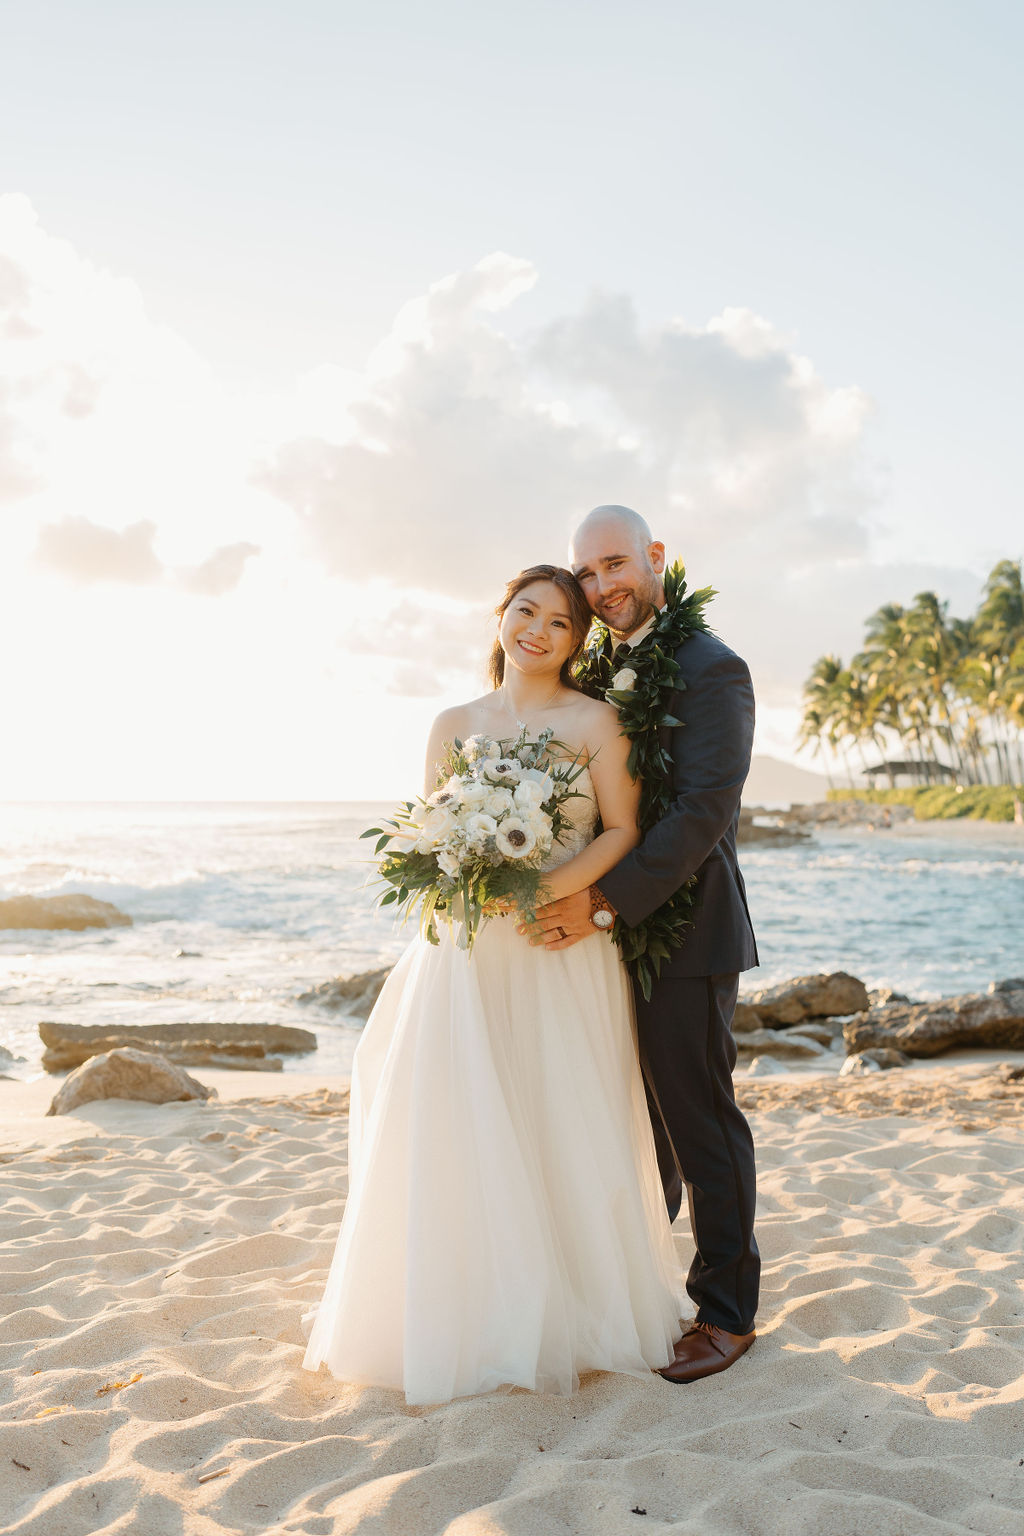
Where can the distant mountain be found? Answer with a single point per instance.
(773, 782)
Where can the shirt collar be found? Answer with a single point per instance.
(635, 638)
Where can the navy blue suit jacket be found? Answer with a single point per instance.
(697, 835)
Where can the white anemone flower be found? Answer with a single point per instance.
(515, 838)
(504, 769)
(448, 795)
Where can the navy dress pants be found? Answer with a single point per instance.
(704, 1145)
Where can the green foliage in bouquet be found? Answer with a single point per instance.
(652, 674)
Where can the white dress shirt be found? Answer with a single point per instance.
(638, 634)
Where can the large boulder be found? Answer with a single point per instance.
(745, 1019)
(811, 997)
(992, 1019)
(351, 995)
(75, 912)
(781, 1043)
(213, 1044)
(127, 1074)
(750, 831)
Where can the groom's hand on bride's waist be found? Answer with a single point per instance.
(562, 923)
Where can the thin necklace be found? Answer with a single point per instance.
(511, 713)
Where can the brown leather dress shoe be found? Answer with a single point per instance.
(705, 1349)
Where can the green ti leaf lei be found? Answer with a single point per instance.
(643, 712)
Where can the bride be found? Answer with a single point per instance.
(505, 1222)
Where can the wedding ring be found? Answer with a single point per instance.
(561, 933)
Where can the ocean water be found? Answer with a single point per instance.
(237, 908)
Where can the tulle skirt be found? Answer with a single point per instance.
(505, 1222)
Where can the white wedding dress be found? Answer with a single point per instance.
(505, 1222)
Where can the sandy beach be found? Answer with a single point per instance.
(156, 1262)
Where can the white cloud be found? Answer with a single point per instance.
(435, 646)
(476, 453)
(390, 508)
(457, 477)
(219, 573)
(86, 552)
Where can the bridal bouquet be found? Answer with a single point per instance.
(475, 846)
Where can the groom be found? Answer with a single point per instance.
(686, 1046)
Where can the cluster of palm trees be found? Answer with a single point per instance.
(949, 691)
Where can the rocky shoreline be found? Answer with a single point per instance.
(762, 824)
(828, 1021)
(811, 1019)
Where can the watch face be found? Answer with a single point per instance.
(602, 919)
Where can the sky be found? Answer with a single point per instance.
(320, 320)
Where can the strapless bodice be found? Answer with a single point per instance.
(581, 815)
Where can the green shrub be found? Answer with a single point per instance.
(944, 802)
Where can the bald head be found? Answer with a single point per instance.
(612, 518)
(619, 566)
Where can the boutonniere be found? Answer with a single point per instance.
(641, 692)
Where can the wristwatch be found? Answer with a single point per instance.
(602, 913)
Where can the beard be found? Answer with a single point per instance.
(628, 616)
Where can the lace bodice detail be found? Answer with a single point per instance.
(581, 814)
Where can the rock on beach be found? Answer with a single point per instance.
(213, 1044)
(127, 1074)
(781, 1043)
(351, 995)
(992, 1019)
(73, 912)
(881, 1059)
(826, 995)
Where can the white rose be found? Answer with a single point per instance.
(543, 779)
(448, 863)
(479, 826)
(498, 802)
(473, 794)
(515, 838)
(528, 794)
(438, 824)
(624, 679)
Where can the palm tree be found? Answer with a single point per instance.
(933, 682)
(933, 658)
(998, 631)
(817, 723)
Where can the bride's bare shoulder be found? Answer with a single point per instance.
(595, 721)
(461, 719)
(596, 713)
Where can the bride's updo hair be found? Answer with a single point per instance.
(575, 602)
